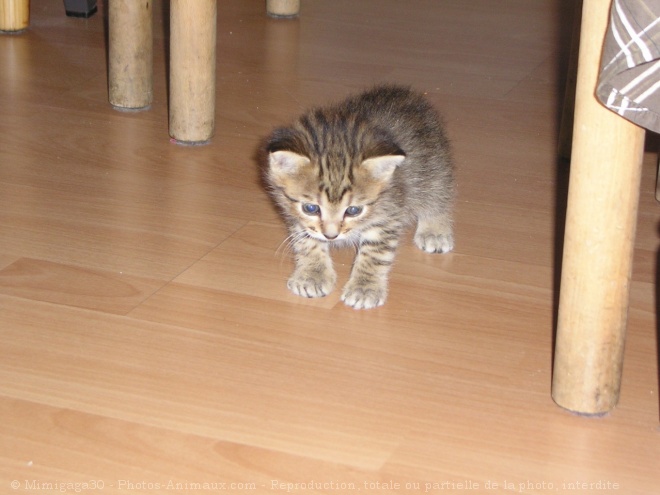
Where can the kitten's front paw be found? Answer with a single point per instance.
(365, 296)
(312, 283)
(434, 243)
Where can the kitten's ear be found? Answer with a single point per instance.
(286, 162)
(382, 167)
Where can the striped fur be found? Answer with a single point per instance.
(357, 173)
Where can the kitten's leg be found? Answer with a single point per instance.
(367, 286)
(313, 275)
(435, 234)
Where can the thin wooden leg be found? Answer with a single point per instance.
(192, 70)
(600, 228)
(283, 8)
(14, 15)
(130, 66)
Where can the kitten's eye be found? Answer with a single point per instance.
(311, 209)
(353, 211)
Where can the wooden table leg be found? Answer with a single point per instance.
(14, 15)
(600, 228)
(130, 54)
(283, 8)
(192, 70)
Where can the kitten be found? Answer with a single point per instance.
(357, 173)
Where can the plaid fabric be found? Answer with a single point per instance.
(629, 81)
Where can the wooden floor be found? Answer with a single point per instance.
(148, 343)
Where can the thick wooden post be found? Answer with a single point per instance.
(14, 15)
(283, 8)
(130, 67)
(600, 228)
(192, 70)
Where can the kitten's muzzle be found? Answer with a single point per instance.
(330, 229)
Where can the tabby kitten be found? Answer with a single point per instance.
(357, 173)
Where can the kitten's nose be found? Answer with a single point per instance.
(331, 229)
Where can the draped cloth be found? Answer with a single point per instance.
(629, 80)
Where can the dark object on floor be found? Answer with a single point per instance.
(80, 8)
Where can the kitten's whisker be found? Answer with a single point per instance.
(282, 248)
(286, 246)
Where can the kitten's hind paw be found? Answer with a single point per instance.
(433, 243)
(435, 234)
(363, 297)
(311, 284)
